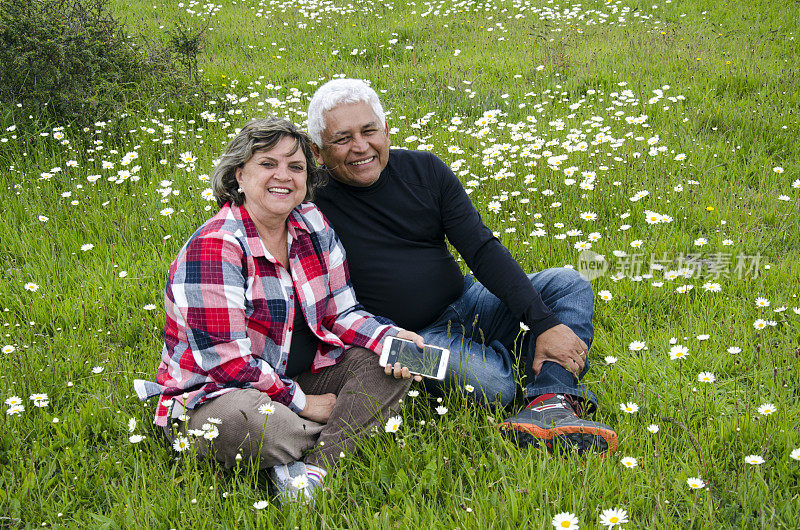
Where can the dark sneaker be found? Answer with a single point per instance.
(554, 422)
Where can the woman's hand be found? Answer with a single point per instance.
(318, 407)
(401, 372)
(413, 337)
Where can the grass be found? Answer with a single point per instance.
(731, 108)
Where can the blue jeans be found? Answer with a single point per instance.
(481, 332)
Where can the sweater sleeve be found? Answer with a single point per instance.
(491, 262)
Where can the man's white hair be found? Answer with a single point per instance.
(339, 92)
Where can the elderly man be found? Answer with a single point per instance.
(393, 210)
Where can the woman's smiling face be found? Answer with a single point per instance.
(274, 181)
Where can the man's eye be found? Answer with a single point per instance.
(369, 132)
(341, 141)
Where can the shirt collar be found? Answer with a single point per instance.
(295, 222)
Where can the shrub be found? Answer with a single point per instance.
(71, 60)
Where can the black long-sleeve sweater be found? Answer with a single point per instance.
(394, 234)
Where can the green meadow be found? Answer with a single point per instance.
(661, 136)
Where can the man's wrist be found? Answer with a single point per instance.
(540, 326)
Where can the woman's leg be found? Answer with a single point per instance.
(276, 438)
(365, 395)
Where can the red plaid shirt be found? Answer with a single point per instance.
(230, 307)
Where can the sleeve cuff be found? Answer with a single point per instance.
(539, 327)
(298, 400)
(392, 331)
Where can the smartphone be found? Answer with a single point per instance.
(431, 361)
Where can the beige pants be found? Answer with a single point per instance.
(365, 395)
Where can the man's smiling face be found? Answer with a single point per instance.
(355, 144)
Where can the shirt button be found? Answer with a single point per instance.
(284, 362)
(291, 297)
(290, 328)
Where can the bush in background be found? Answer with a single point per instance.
(72, 61)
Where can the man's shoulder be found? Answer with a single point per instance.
(407, 156)
(417, 167)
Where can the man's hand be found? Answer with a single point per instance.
(401, 372)
(560, 345)
(319, 407)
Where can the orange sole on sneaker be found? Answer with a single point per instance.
(563, 439)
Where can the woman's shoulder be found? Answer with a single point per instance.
(225, 226)
(227, 221)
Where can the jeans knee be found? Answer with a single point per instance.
(570, 282)
(497, 392)
(580, 283)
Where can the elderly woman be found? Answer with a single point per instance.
(267, 354)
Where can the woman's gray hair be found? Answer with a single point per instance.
(334, 93)
(257, 135)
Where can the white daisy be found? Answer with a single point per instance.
(180, 444)
(678, 352)
(565, 521)
(613, 517)
(766, 409)
(267, 408)
(706, 377)
(696, 483)
(754, 460)
(393, 424)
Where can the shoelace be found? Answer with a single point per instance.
(575, 404)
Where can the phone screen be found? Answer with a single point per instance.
(424, 362)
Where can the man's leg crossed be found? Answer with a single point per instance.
(558, 399)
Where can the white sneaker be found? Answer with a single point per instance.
(292, 483)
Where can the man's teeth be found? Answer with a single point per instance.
(363, 161)
(281, 191)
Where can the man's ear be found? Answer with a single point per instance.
(386, 126)
(317, 153)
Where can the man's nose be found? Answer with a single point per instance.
(360, 143)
